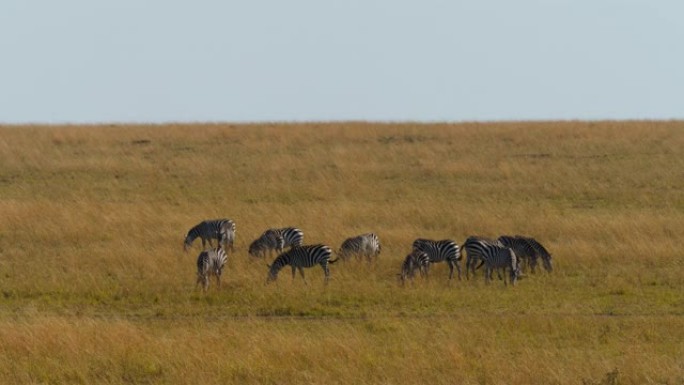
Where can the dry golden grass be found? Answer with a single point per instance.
(96, 288)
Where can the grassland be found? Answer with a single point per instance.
(95, 286)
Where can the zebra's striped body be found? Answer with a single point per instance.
(223, 230)
(439, 251)
(268, 241)
(540, 251)
(364, 245)
(276, 239)
(299, 257)
(522, 248)
(495, 257)
(471, 257)
(210, 262)
(415, 260)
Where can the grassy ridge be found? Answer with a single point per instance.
(96, 287)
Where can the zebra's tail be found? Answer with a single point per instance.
(331, 261)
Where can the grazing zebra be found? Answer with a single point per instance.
(210, 262)
(439, 251)
(222, 230)
(299, 257)
(495, 257)
(276, 239)
(539, 251)
(471, 257)
(522, 248)
(364, 245)
(268, 241)
(415, 260)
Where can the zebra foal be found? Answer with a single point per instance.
(223, 230)
(299, 257)
(276, 239)
(364, 245)
(416, 260)
(210, 262)
(440, 251)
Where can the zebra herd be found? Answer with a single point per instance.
(506, 253)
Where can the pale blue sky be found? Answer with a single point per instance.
(430, 60)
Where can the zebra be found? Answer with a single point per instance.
(364, 245)
(276, 239)
(539, 251)
(210, 262)
(222, 230)
(522, 248)
(495, 257)
(299, 257)
(473, 258)
(415, 260)
(438, 251)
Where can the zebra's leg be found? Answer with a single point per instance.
(294, 271)
(468, 267)
(451, 269)
(199, 280)
(458, 268)
(326, 271)
(301, 272)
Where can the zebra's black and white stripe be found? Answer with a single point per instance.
(210, 262)
(223, 230)
(473, 258)
(299, 257)
(522, 248)
(416, 260)
(268, 241)
(540, 251)
(439, 251)
(495, 257)
(276, 239)
(364, 245)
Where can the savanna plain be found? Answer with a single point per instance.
(95, 287)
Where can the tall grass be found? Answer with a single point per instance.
(96, 287)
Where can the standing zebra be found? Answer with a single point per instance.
(473, 258)
(210, 262)
(364, 245)
(495, 257)
(539, 251)
(415, 260)
(299, 257)
(439, 251)
(276, 239)
(222, 230)
(522, 248)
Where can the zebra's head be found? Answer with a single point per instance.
(547, 264)
(187, 243)
(256, 249)
(272, 273)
